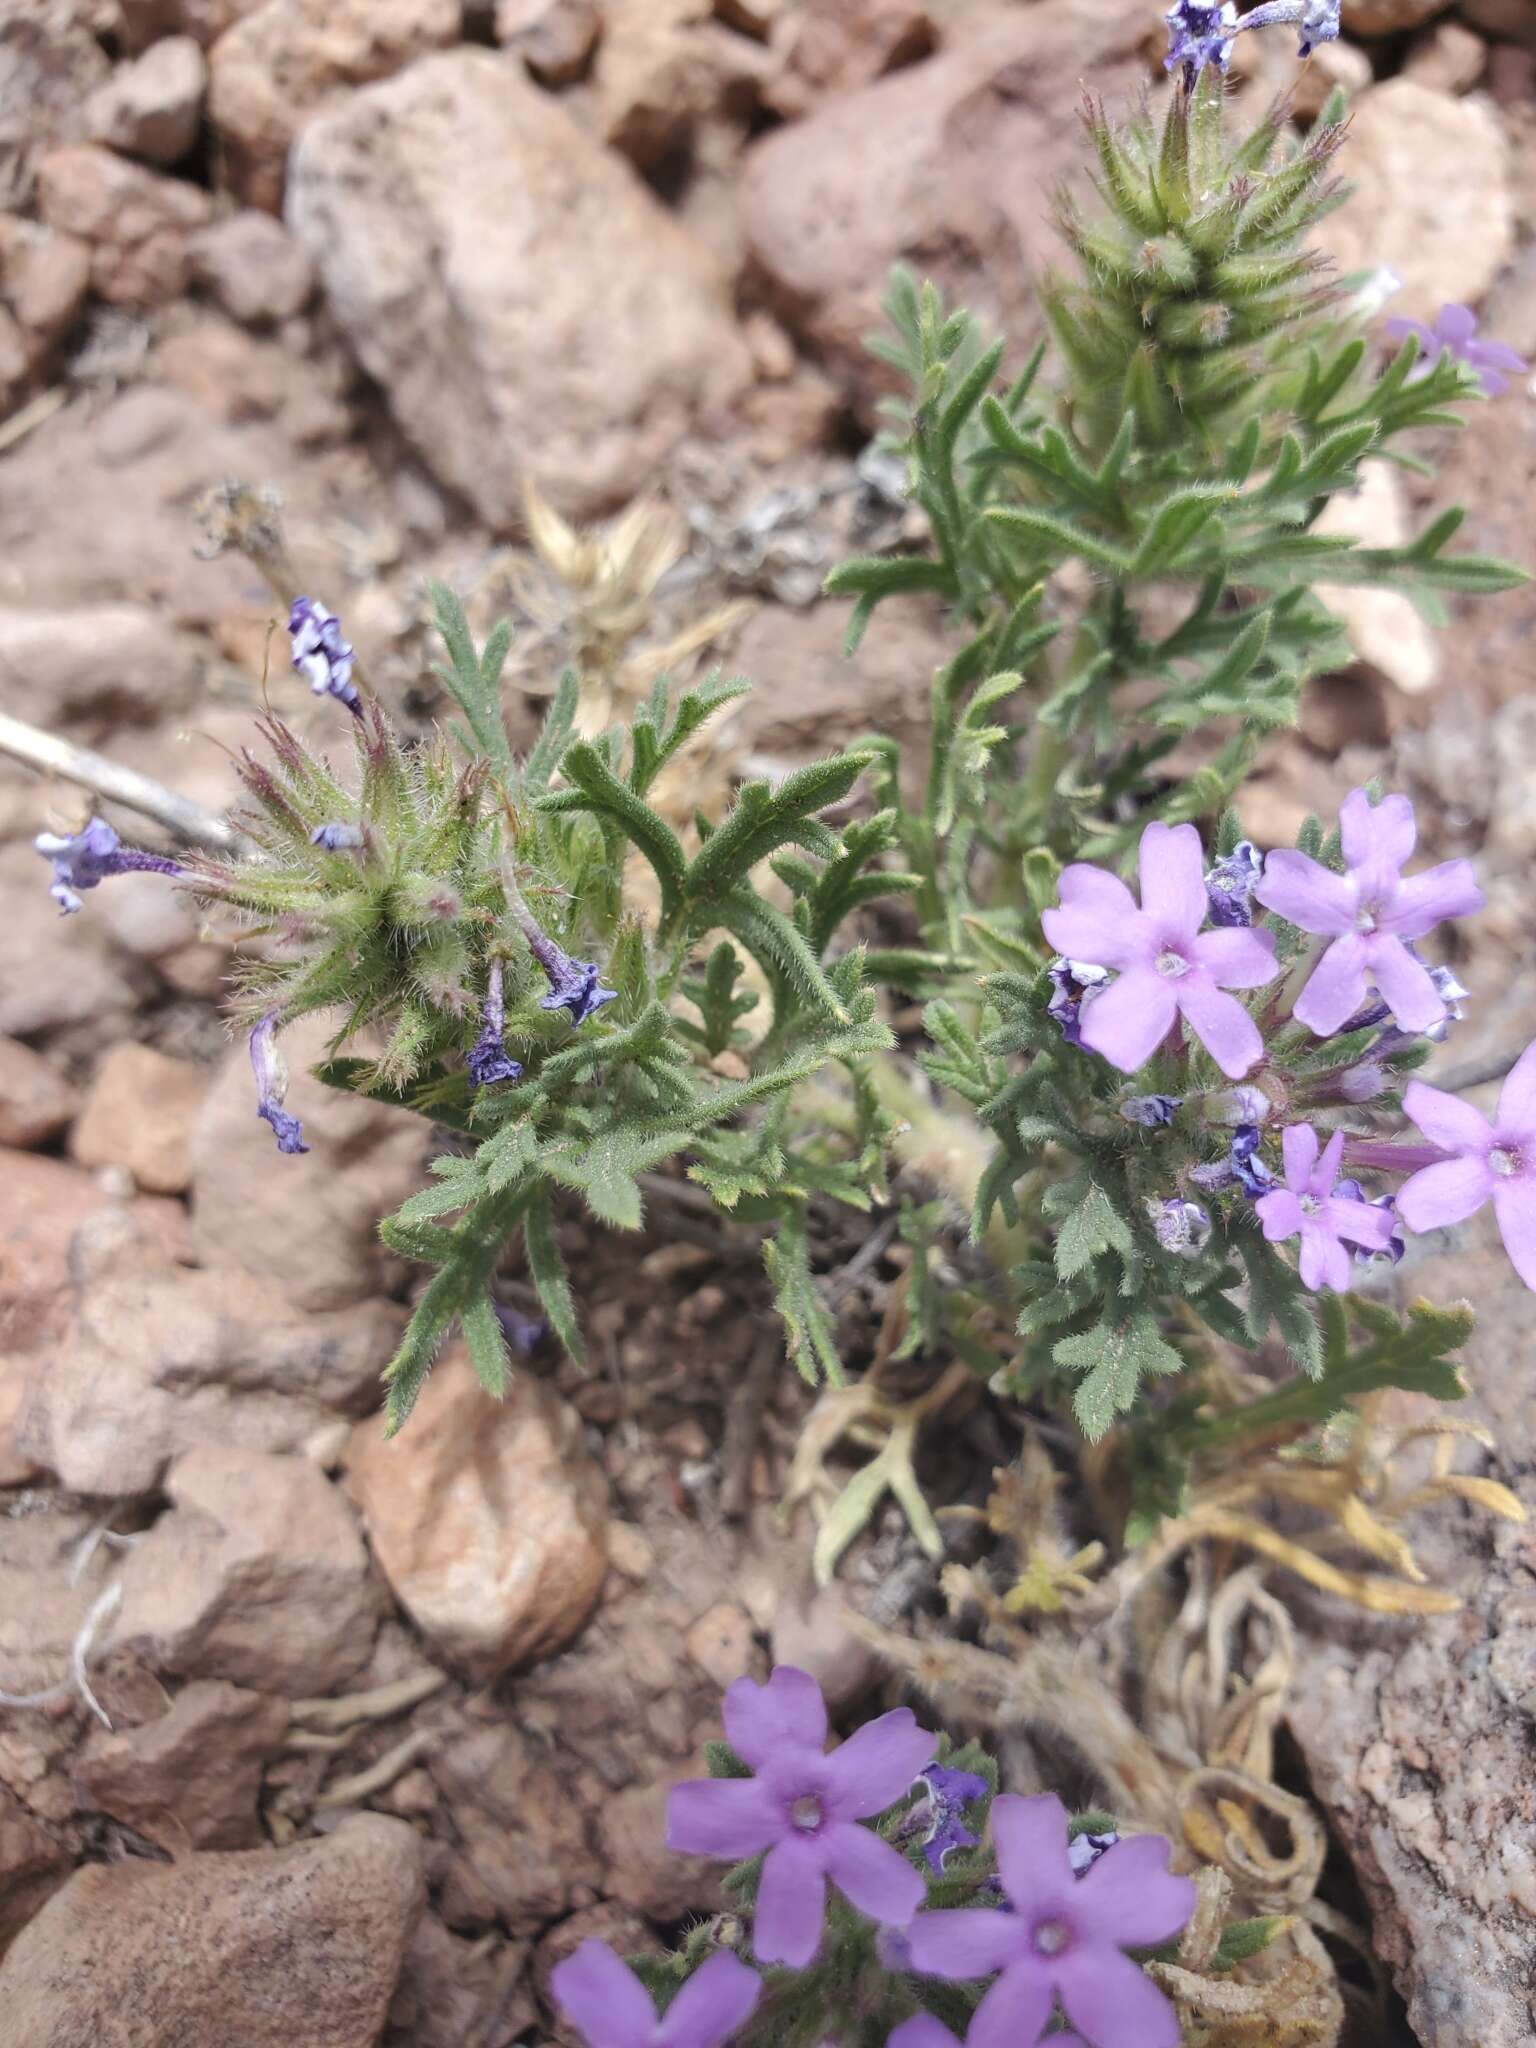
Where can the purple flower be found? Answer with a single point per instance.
(1083, 1851)
(337, 838)
(1168, 967)
(1183, 1228)
(1243, 1166)
(1064, 1935)
(486, 1061)
(1150, 1111)
(84, 858)
(320, 654)
(949, 1793)
(1323, 1214)
(271, 1071)
(1371, 913)
(1199, 35)
(1351, 1190)
(573, 984)
(1074, 984)
(1487, 1162)
(610, 2008)
(1315, 21)
(524, 1333)
(1455, 329)
(1229, 884)
(804, 1807)
(1248, 1105)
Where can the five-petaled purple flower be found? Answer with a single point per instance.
(949, 1792)
(271, 1071)
(610, 2008)
(573, 984)
(1325, 1216)
(804, 1807)
(320, 654)
(1064, 1936)
(486, 1060)
(1169, 968)
(1455, 328)
(1371, 913)
(1487, 1162)
(84, 858)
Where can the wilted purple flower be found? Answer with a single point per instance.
(337, 838)
(1370, 912)
(1243, 1167)
(320, 654)
(610, 2008)
(1362, 1083)
(1229, 884)
(804, 1808)
(1150, 1111)
(486, 1060)
(84, 858)
(1315, 21)
(939, 1815)
(1325, 1218)
(1064, 1935)
(1183, 1228)
(1199, 35)
(1455, 328)
(1248, 1105)
(1084, 1850)
(573, 984)
(524, 1333)
(1487, 1162)
(1074, 984)
(271, 1071)
(1168, 967)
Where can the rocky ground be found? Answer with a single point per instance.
(390, 258)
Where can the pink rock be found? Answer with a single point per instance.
(136, 220)
(153, 107)
(140, 1114)
(36, 1101)
(253, 267)
(190, 1777)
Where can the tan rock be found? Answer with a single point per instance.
(837, 46)
(140, 1114)
(136, 220)
(253, 267)
(36, 1102)
(44, 277)
(665, 66)
(1431, 196)
(190, 1778)
(285, 1948)
(428, 204)
(554, 38)
(487, 1518)
(448, 1985)
(809, 1630)
(639, 1870)
(1384, 628)
(308, 1223)
(619, 1926)
(158, 1360)
(522, 1840)
(33, 1864)
(1447, 58)
(146, 21)
(94, 667)
(275, 69)
(50, 62)
(256, 1574)
(1389, 17)
(152, 108)
(721, 1643)
(1511, 18)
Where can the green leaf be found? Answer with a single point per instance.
(486, 1344)
(596, 788)
(1115, 1358)
(602, 1169)
(546, 1269)
(1093, 1227)
(809, 1329)
(474, 681)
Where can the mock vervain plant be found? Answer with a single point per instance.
(1189, 1090)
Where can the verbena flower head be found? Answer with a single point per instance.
(1371, 912)
(949, 1793)
(1167, 966)
(83, 859)
(321, 655)
(1064, 1936)
(574, 985)
(486, 1060)
(1455, 328)
(804, 1807)
(1488, 1162)
(1229, 884)
(1322, 1214)
(610, 2008)
(271, 1071)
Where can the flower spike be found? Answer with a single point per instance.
(271, 1071)
(85, 858)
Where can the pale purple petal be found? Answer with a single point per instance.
(1221, 1024)
(786, 1712)
(1114, 2002)
(1517, 1098)
(1279, 1213)
(1131, 1898)
(1237, 957)
(1016, 2008)
(1455, 326)
(602, 1998)
(1096, 891)
(1030, 1836)
(875, 1766)
(1298, 1148)
(1447, 1120)
(1377, 836)
(871, 1874)
(1497, 355)
(1407, 987)
(1437, 1196)
(1362, 1223)
(1327, 1169)
(731, 1817)
(1420, 902)
(971, 1941)
(791, 1904)
(717, 1999)
(1172, 878)
(1515, 1207)
(1335, 987)
(1300, 889)
(1097, 920)
(922, 2031)
(1324, 1261)
(1130, 1019)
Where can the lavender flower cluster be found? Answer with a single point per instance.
(1050, 1928)
(1129, 972)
